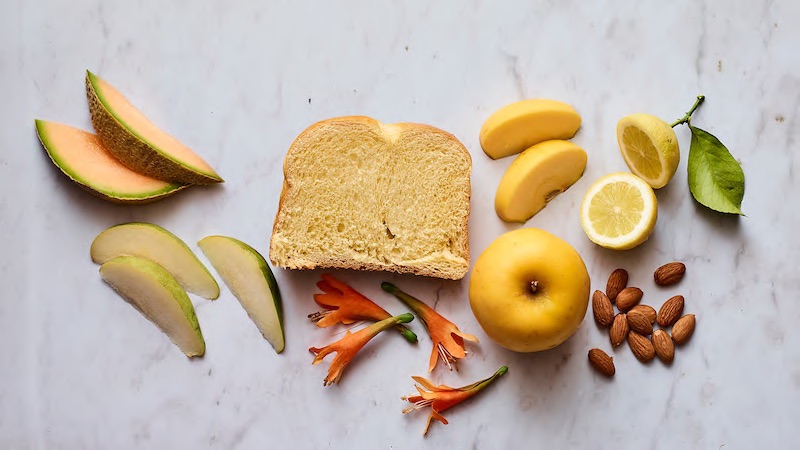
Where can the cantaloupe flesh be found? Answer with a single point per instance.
(136, 122)
(81, 156)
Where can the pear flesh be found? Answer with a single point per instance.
(155, 293)
(248, 276)
(152, 242)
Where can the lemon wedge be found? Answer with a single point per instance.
(619, 211)
(649, 147)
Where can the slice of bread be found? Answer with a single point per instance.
(359, 194)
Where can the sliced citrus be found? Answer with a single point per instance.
(619, 211)
(649, 147)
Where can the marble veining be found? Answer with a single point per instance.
(79, 368)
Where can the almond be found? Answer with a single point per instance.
(619, 329)
(602, 362)
(640, 323)
(628, 298)
(641, 347)
(683, 329)
(616, 283)
(602, 309)
(670, 311)
(648, 311)
(669, 273)
(662, 343)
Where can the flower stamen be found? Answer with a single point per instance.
(319, 315)
(448, 359)
(417, 405)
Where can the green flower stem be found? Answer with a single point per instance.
(408, 334)
(688, 115)
(412, 302)
(476, 387)
(377, 327)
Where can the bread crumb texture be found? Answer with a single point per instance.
(359, 194)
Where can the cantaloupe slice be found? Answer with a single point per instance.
(139, 144)
(82, 157)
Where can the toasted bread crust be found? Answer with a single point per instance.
(327, 261)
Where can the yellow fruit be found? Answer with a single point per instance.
(517, 126)
(619, 211)
(529, 290)
(537, 176)
(649, 147)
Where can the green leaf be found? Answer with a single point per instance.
(715, 178)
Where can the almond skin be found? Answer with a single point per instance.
(670, 311)
(647, 310)
(602, 309)
(616, 283)
(641, 347)
(640, 323)
(619, 330)
(665, 349)
(628, 298)
(683, 329)
(602, 362)
(669, 273)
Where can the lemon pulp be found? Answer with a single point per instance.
(619, 211)
(649, 147)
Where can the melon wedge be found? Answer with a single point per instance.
(139, 144)
(152, 242)
(83, 158)
(156, 294)
(248, 276)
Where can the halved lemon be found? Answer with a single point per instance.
(619, 211)
(649, 147)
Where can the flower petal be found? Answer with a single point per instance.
(433, 415)
(425, 383)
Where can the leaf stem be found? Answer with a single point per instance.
(688, 116)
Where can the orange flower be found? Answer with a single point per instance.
(346, 305)
(448, 340)
(347, 347)
(441, 398)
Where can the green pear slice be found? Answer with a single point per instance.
(156, 294)
(137, 143)
(248, 276)
(83, 158)
(152, 242)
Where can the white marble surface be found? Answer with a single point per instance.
(238, 81)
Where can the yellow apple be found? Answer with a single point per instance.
(515, 127)
(537, 176)
(529, 290)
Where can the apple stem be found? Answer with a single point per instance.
(534, 286)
